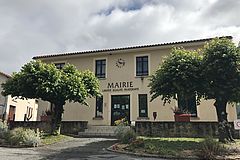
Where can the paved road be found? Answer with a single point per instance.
(73, 149)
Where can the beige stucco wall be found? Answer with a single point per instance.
(75, 111)
(20, 104)
(21, 107)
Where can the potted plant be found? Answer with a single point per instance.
(181, 115)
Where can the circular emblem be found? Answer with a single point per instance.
(120, 63)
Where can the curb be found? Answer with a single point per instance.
(16, 146)
(148, 155)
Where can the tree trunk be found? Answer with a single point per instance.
(56, 119)
(223, 126)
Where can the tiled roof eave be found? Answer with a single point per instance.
(6, 75)
(123, 48)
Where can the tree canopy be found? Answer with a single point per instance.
(45, 81)
(178, 74)
(215, 75)
(220, 67)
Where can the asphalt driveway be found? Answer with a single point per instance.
(73, 149)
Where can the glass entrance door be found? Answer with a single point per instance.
(120, 108)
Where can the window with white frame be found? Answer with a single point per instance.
(143, 105)
(238, 110)
(99, 106)
(100, 68)
(142, 66)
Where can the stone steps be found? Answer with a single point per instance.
(98, 131)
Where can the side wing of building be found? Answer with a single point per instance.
(15, 109)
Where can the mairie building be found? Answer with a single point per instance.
(124, 75)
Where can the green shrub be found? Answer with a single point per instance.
(128, 136)
(138, 143)
(151, 148)
(210, 148)
(26, 137)
(32, 138)
(121, 128)
(3, 130)
(125, 134)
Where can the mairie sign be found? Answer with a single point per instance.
(237, 124)
(120, 86)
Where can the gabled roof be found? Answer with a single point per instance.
(4, 74)
(123, 48)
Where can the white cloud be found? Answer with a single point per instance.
(30, 27)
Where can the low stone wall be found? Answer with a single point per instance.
(73, 127)
(179, 129)
(67, 127)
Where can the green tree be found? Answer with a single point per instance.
(220, 68)
(178, 75)
(44, 81)
(216, 76)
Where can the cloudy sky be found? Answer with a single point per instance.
(36, 27)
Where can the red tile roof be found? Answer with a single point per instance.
(123, 48)
(4, 74)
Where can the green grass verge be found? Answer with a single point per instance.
(166, 146)
(236, 144)
(50, 139)
(179, 147)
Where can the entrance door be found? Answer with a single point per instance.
(120, 108)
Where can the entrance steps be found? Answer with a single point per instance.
(98, 131)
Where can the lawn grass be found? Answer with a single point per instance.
(236, 144)
(50, 139)
(178, 147)
(166, 146)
